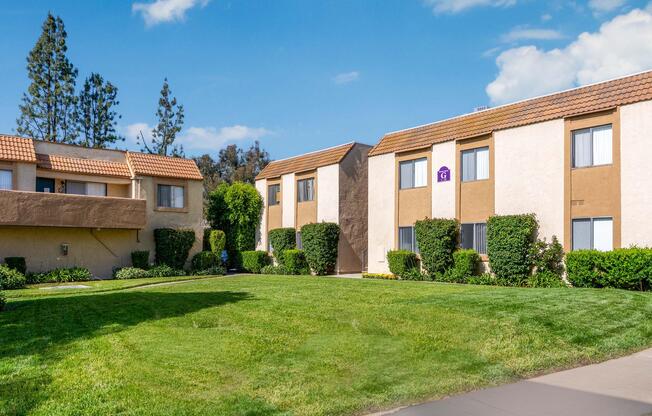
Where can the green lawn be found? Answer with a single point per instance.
(263, 345)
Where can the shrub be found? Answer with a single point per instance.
(483, 279)
(510, 239)
(320, 245)
(437, 240)
(140, 259)
(204, 260)
(385, 276)
(626, 268)
(217, 270)
(582, 268)
(295, 262)
(548, 257)
(206, 240)
(131, 273)
(546, 279)
(173, 246)
(3, 301)
(271, 269)
(163, 270)
(17, 263)
(401, 261)
(282, 239)
(466, 264)
(254, 261)
(10, 278)
(217, 242)
(415, 274)
(73, 274)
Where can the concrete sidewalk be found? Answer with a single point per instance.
(621, 387)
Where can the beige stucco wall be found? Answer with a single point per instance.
(288, 200)
(381, 211)
(636, 174)
(529, 169)
(328, 196)
(25, 176)
(261, 230)
(79, 152)
(443, 193)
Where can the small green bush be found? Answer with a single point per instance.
(626, 268)
(140, 259)
(484, 279)
(320, 243)
(206, 240)
(217, 242)
(415, 274)
(63, 275)
(253, 261)
(3, 301)
(582, 268)
(383, 276)
(173, 246)
(131, 273)
(437, 240)
(548, 257)
(545, 279)
(401, 262)
(295, 262)
(282, 239)
(163, 270)
(466, 264)
(510, 239)
(204, 260)
(17, 263)
(271, 269)
(10, 278)
(217, 270)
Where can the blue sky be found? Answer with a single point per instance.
(301, 75)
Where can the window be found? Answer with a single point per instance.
(299, 242)
(272, 194)
(474, 236)
(86, 188)
(407, 239)
(592, 147)
(475, 164)
(6, 179)
(44, 185)
(593, 233)
(170, 196)
(95, 189)
(413, 173)
(306, 190)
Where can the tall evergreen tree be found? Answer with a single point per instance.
(252, 162)
(96, 113)
(48, 108)
(170, 121)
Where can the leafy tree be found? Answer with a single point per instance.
(47, 111)
(252, 162)
(170, 122)
(96, 113)
(208, 168)
(228, 162)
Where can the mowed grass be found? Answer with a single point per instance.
(274, 345)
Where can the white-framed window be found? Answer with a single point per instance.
(86, 188)
(593, 146)
(413, 173)
(474, 236)
(407, 239)
(272, 194)
(171, 196)
(475, 164)
(6, 179)
(593, 234)
(306, 190)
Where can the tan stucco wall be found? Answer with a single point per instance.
(636, 174)
(25, 176)
(412, 204)
(381, 211)
(443, 193)
(79, 152)
(329, 193)
(475, 198)
(288, 200)
(529, 171)
(261, 230)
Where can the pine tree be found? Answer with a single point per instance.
(170, 121)
(96, 113)
(48, 108)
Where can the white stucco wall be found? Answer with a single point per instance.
(636, 174)
(261, 237)
(381, 211)
(328, 193)
(529, 169)
(443, 193)
(287, 199)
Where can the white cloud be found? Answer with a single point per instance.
(621, 46)
(346, 77)
(212, 139)
(161, 11)
(456, 6)
(605, 6)
(132, 134)
(546, 17)
(523, 33)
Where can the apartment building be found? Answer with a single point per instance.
(329, 185)
(63, 205)
(578, 159)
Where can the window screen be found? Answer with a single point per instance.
(170, 196)
(420, 172)
(475, 164)
(6, 179)
(76, 188)
(272, 194)
(407, 239)
(474, 236)
(306, 190)
(593, 233)
(299, 241)
(407, 174)
(592, 147)
(96, 189)
(413, 173)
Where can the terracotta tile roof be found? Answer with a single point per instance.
(82, 166)
(306, 161)
(163, 166)
(17, 149)
(582, 100)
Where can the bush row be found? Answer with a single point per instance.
(625, 268)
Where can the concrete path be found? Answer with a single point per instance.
(621, 387)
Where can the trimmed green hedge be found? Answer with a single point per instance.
(582, 268)
(437, 241)
(402, 262)
(163, 270)
(466, 264)
(320, 245)
(11, 279)
(254, 261)
(510, 239)
(625, 268)
(63, 275)
(17, 263)
(546, 279)
(140, 259)
(173, 246)
(271, 269)
(282, 239)
(204, 260)
(295, 262)
(217, 242)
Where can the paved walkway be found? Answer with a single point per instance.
(621, 387)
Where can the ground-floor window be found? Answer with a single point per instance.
(593, 234)
(474, 236)
(407, 239)
(299, 242)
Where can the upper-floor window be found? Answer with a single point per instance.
(592, 147)
(593, 234)
(475, 164)
(6, 179)
(272, 194)
(474, 236)
(171, 196)
(407, 239)
(413, 173)
(306, 190)
(86, 188)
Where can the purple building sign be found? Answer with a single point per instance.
(443, 174)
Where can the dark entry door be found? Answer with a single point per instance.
(44, 185)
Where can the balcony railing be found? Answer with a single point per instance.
(64, 210)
